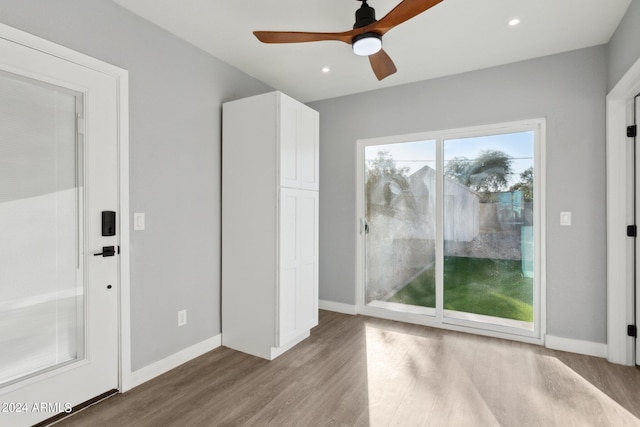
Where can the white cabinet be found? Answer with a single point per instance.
(299, 145)
(269, 224)
(298, 300)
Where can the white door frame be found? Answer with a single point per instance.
(121, 78)
(620, 347)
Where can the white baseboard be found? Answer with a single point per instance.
(168, 363)
(337, 307)
(576, 346)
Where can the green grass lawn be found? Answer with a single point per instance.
(475, 285)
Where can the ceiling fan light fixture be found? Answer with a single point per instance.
(366, 35)
(367, 44)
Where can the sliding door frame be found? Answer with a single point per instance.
(439, 320)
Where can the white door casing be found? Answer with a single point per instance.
(620, 302)
(104, 91)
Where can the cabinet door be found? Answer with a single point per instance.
(289, 164)
(307, 289)
(298, 287)
(299, 145)
(308, 148)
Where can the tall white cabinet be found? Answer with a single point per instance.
(269, 224)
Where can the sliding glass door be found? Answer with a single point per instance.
(488, 228)
(399, 225)
(450, 227)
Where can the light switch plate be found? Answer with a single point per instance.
(182, 317)
(565, 219)
(138, 221)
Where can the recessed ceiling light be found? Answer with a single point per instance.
(514, 22)
(326, 69)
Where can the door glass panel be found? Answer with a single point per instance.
(400, 212)
(488, 229)
(41, 223)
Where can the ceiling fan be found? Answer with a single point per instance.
(366, 35)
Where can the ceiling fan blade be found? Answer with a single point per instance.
(404, 11)
(302, 37)
(382, 64)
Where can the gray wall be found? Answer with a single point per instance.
(624, 46)
(568, 90)
(176, 92)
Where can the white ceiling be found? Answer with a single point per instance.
(453, 37)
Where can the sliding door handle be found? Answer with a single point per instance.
(364, 226)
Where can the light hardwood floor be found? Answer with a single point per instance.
(360, 371)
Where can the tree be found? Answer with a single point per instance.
(525, 185)
(384, 165)
(383, 171)
(486, 174)
(458, 169)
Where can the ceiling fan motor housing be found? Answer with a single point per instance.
(368, 43)
(367, 35)
(365, 15)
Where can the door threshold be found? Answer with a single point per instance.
(84, 405)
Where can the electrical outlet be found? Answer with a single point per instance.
(182, 317)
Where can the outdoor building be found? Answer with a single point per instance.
(401, 222)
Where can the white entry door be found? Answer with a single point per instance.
(58, 174)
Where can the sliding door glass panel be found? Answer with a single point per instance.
(488, 229)
(400, 225)
(41, 263)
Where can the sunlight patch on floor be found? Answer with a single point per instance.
(463, 380)
(429, 383)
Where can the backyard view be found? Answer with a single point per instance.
(475, 285)
(487, 225)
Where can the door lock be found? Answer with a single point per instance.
(107, 251)
(108, 223)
